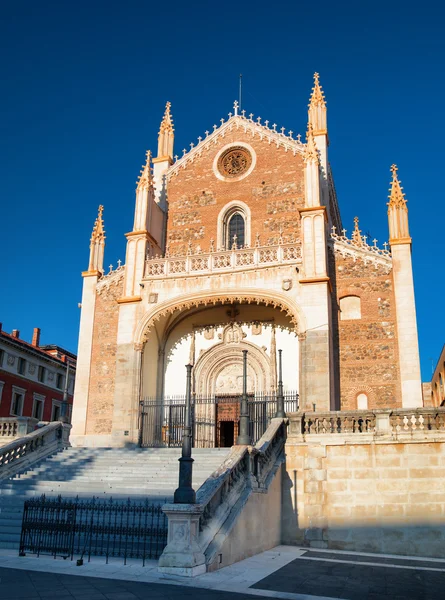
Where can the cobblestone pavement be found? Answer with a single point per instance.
(358, 577)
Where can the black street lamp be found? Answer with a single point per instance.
(185, 494)
(280, 395)
(243, 437)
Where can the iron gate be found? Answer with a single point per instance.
(161, 422)
(73, 527)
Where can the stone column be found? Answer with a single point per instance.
(83, 367)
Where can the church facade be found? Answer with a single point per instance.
(239, 245)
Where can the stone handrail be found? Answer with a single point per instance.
(396, 422)
(12, 427)
(220, 261)
(219, 501)
(25, 451)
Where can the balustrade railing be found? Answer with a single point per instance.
(247, 469)
(376, 422)
(227, 260)
(12, 427)
(24, 451)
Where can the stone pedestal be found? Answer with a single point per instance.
(182, 555)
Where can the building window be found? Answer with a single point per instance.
(17, 404)
(234, 219)
(37, 408)
(350, 308)
(59, 383)
(42, 374)
(2, 354)
(21, 367)
(235, 231)
(362, 402)
(55, 413)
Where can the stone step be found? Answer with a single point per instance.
(117, 473)
(111, 474)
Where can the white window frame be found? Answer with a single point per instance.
(2, 385)
(22, 392)
(38, 398)
(236, 206)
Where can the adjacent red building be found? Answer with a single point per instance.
(32, 377)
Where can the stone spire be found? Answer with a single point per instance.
(311, 153)
(397, 211)
(97, 244)
(145, 180)
(317, 108)
(166, 135)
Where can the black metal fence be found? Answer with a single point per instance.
(161, 422)
(86, 528)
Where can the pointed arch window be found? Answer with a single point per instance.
(236, 231)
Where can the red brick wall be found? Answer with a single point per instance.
(103, 361)
(273, 191)
(368, 359)
(31, 387)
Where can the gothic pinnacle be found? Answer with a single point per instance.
(317, 97)
(396, 197)
(98, 233)
(356, 234)
(311, 154)
(166, 135)
(145, 178)
(167, 120)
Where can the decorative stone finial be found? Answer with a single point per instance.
(317, 97)
(311, 153)
(166, 135)
(145, 180)
(396, 197)
(317, 108)
(98, 234)
(397, 211)
(167, 120)
(356, 234)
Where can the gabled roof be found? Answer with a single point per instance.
(247, 125)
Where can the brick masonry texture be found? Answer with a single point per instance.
(367, 356)
(103, 361)
(273, 191)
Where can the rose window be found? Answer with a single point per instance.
(234, 162)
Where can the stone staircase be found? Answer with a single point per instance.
(119, 473)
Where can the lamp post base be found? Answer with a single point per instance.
(185, 494)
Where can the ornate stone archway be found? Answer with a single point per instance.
(185, 303)
(219, 370)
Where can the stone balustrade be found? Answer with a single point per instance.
(13, 427)
(221, 261)
(23, 452)
(394, 423)
(197, 532)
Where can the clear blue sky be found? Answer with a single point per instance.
(84, 86)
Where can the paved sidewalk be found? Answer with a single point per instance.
(284, 572)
